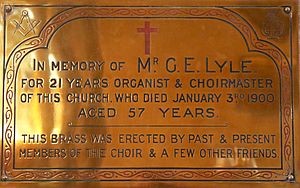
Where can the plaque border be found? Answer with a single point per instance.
(222, 13)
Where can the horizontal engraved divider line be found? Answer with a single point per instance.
(152, 125)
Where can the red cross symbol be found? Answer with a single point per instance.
(147, 30)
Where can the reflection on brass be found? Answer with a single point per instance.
(162, 93)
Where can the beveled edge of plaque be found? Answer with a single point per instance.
(41, 41)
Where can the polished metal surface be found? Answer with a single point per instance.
(198, 92)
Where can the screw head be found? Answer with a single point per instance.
(287, 9)
(8, 8)
(4, 178)
(290, 177)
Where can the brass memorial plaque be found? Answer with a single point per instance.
(150, 91)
